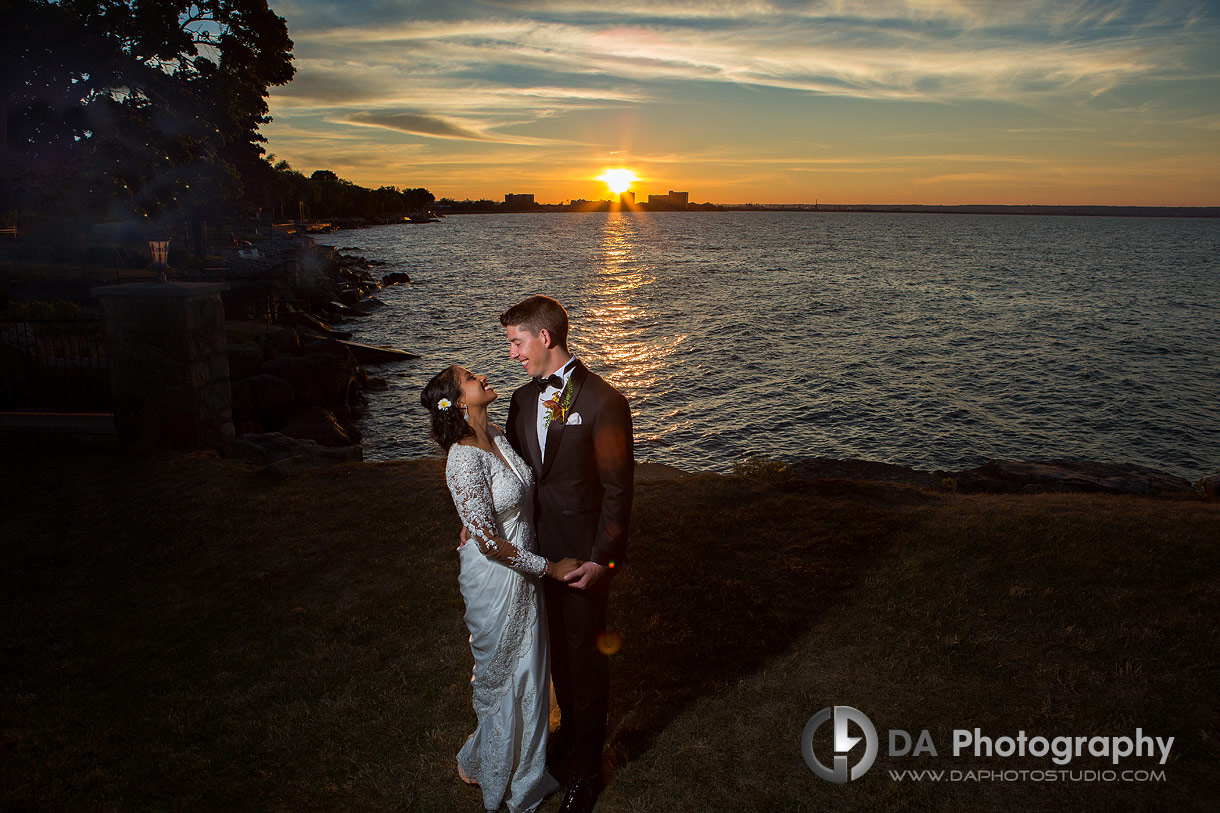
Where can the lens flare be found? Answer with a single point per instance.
(609, 643)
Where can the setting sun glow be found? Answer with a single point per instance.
(619, 180)
(1053, 103)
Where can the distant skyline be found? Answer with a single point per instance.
(896, 101)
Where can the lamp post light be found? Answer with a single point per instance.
(160, 256)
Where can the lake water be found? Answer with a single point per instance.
(935, 341)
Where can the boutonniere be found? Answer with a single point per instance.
(558, 406)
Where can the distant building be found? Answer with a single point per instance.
(627, 198)
(519, 200)
(674, 200)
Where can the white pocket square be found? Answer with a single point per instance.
(573, 420)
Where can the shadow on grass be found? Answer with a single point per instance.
(300, 643)
(183, 634)
(1082, 615)
(724, 573)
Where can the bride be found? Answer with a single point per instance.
(493, 490)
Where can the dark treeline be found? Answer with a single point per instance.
(325, 196)
(486, 206)
(150, 110)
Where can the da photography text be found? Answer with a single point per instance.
(856, 744)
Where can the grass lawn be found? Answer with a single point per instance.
(186, 633)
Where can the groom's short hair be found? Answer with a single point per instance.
(536, 313)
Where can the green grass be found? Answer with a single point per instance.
(188, 634)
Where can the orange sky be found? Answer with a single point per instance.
(915, 101)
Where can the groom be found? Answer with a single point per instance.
(575, 431)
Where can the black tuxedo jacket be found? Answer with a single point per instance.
(586, 483)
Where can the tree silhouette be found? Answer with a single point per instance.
(136, 107)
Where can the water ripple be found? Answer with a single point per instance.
(925, 340)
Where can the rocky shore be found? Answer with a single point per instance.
(1061, 476)
(297, 381)
(350, 223)
(1014, 477)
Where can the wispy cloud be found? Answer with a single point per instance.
(548, 73)
(936, 51)
(417, 124)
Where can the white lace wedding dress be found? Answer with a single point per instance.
(506, 755)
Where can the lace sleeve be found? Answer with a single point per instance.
(470, 484)
(526, 562)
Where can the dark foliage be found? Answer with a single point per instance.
(286, 193)
(136, 107)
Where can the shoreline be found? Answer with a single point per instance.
(1032, 476)
(1187, 212)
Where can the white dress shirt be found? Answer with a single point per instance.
(547, 394)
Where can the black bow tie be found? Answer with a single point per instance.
(550, 381)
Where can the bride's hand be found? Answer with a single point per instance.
(495, 548)
(557, 570)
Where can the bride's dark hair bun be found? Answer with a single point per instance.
(448, 424)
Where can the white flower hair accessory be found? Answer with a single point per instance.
(444, 403)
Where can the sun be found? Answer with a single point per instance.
(619, 180)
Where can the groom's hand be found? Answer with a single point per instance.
(463, 537)
(587, 575)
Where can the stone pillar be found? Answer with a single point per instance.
(169, 369)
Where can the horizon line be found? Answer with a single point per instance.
(819, 205)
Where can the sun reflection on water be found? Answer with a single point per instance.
(926, 342)
(618, 315)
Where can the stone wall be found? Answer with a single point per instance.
(169, 368)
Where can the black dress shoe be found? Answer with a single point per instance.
(581, 796)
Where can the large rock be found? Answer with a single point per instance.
(330, 346)
(242, 401)
(368, 305)
(1034, 477)
(826, 468)
(307, 321)
(268, 393)
(244, 330)
(351, 296)
(322, 379)
(267, 448)
(245, 360)
(334, 311)
(278, 340)
(371, 354)
(318, 424)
